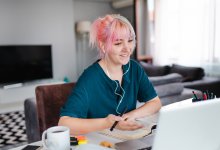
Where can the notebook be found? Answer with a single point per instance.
(195, 126)
(148, 122)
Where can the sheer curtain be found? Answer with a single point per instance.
(187, 32)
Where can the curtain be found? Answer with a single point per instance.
(187, 32)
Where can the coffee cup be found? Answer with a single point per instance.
(58, 138)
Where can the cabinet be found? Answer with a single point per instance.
(19, 94)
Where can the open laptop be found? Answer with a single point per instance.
(195, 126)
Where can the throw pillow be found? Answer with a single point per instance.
(154, 70)
(188, 73)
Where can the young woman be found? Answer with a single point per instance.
(111, 85)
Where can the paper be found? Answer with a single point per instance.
(148, 122)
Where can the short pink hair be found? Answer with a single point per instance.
(108, 29)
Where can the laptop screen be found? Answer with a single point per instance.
(183, 126)
(195, 126)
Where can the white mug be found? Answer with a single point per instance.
(58, 138)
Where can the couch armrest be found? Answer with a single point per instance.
(166, 79)
(212, 84)
(169, 89)
(31, 121)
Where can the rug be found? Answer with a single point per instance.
(12, 129)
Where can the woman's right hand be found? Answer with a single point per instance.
(112, 118)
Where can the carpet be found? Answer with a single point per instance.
(12, 129)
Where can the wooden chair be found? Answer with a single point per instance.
(50, 98)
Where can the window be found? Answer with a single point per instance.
(187, 32)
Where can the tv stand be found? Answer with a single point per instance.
(21, 91)
(16, 85)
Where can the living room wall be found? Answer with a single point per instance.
(52, 22)
(41, 22)
(87, 11)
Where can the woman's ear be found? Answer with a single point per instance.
(102, 47)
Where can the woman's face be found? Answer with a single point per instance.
(121, 51)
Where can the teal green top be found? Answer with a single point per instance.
(96, 95)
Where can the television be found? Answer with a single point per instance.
(22, 63)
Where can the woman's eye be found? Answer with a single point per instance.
(117, 43)
(131, 40)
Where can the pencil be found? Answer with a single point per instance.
(116, 122)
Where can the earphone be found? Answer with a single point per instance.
(123, 91)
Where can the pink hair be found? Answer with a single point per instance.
(108, 29)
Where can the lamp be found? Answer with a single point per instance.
(82, 30)
(83, 27)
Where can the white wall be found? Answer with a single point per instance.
(50, 22)
(89, 11)
(42, 22)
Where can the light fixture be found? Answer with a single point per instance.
(82, 44)
(83, 27)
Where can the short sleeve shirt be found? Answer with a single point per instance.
(96, 95)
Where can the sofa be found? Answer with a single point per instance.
(170, 88)
(192, 77)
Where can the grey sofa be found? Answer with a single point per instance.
(170, 89)
(193, 77)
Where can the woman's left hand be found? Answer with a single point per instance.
(129, 124)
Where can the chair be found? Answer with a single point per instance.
(49, 100)
(31, 120)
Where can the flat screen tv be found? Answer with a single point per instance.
(22, 63)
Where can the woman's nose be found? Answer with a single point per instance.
(126, 46)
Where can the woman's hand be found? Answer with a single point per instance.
(112, 118)
(129, 124)
(124, 123)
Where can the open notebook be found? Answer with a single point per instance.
(148, 123)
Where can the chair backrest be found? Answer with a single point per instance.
(50, 99)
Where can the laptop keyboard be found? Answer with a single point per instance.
(146, 148)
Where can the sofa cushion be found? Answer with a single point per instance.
(188, 73)
(169, 89)
(153, 70)
(170, 78)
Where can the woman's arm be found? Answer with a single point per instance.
(83, 126)
(149, 108)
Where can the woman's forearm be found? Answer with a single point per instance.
(149, 108)
(83, 126)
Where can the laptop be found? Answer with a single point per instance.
(195, 126)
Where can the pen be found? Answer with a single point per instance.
(116, 122)
(212, 96)
(204, 96)
(194, 95)
(208, 95)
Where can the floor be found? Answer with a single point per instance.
(13, 106)
(12, 125)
